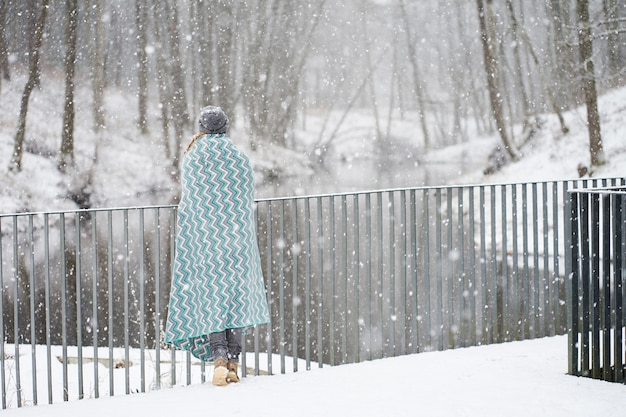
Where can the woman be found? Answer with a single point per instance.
(217, 286)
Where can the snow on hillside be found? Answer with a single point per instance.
(128, 169)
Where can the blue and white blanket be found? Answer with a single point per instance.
(217, 282)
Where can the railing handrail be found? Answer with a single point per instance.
(328, 195)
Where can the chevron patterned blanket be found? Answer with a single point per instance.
(217, 282)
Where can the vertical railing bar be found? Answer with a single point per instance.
(392, 273)
(368, 270)
(126, 301)
(548, 317)
(461, 281)
(307, 283)
(595, 286)
(46, 222)
(94, 304)
(2, 335)
(381, 263)
(255, 328)
(619, 247)
(357, 279)
(506, 317)
(403, 270)
(157, 300)
(320, 283)
(584, 275)
(526, 308)
(537, 324)
(346, 279)
(414, 281)
(142, 300)
(606, 295)
(79, 311)
(295, 302)
(269, 260)
(33, 327)
(244, 334)
(516, 315)
(110, 299)
(63, 304)
(451, 273)
(332, 236)
(484, 308)
(426, 272)
(16, 303)
(493, 262)
(572, 283)
(281, 286)
(172, 256)
(556, 305)
(473, 290)
(439, 274)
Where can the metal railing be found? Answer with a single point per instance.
(350, 277)
(596, 336)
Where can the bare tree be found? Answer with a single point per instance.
(162, 76)
(225, 56)
(278, 42)
(97, 59)
(180, 113)
(589, 83)
(487, 35)
(4, 50)
(141, 19)
(418, 84)
(615, 53)
(205, 13)
(33, 68)
(66, 154)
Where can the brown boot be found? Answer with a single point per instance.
(232, 372)
(220, 372)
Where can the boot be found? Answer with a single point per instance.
(232, 372)
(220, 372)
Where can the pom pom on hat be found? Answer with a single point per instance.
(213, 120)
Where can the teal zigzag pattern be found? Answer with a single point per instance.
(217, 282)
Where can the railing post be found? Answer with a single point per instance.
(572, 275)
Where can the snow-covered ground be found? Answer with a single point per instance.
(523, 379)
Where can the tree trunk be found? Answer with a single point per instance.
(589, 83)
(417, 77)
(142, 63)
(563, 55)
(66, 154)
(98, 80)
(162, 77)
(180, 114)
(225, 58)
(33, 71)
(487, 35)
(370, 80)
(614, 61)
(4, 50)
(205, 43)
(521, 88)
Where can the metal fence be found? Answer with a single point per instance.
(350, 277)
(596, 336)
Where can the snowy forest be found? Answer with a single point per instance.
(289, 74)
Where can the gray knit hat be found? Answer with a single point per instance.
(213, 120)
